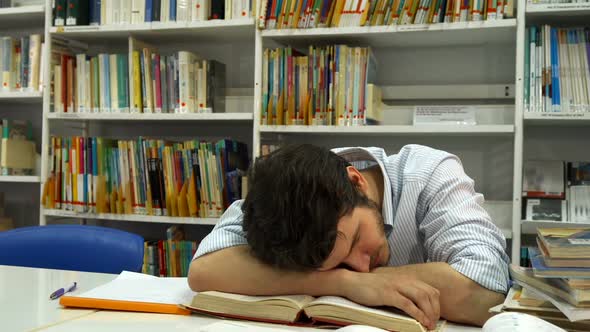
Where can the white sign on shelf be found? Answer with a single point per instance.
(445, 115)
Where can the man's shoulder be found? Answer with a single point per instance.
(417, 161)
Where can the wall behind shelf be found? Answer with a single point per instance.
(21, 203)
(474, 64)
(556, 143)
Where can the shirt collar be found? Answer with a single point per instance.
(378, 155)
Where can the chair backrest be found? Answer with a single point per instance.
(72, 247)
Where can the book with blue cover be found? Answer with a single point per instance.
(540, 269)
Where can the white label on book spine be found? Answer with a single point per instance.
(446, 115)
(584, 242)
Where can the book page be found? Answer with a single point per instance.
(515, 321)
(139, 287)
(237, 326)
(342, 302)
(300, 300)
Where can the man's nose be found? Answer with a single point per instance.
(360, 262)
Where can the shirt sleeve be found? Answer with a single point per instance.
(459, 231)
(228, 232)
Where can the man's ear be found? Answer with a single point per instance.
(357, 179)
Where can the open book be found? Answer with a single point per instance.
(303, 309)
(515, 321)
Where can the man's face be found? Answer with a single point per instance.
(361, 244)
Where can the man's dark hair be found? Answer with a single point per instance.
(296, 196)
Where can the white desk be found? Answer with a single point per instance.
(24, 296)
(143, 322)
(25, 306)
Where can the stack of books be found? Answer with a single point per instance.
(557, 287)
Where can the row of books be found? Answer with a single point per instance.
(291, 14)
(557, 69)
(170, 257)
(20, 63)
(327, 86)
(97, 12)
(556, 190)
(178, 83)
(17, 150)
(144, 176)
(556, 284)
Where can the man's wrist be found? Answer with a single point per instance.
(331, 282)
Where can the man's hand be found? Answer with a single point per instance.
(380, 288)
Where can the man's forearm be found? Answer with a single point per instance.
(461, 299)
(235, 270)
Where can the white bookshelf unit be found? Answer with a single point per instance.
(200, 117)
(461, 33)
(15, 17)
(214, 30)
(228, 41)
(395, 130)
(545, 11)
(21, 193)
(20, 179)
(436, 64)
(471, 63)
(545, 135)
(21, 96)
(129, 217)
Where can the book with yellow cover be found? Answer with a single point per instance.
(304, 310)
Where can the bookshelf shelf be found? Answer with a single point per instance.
(210, 117)
(557, 10)
(130, 217)
(563, 119)
(432, 35)
(213, 30)
(530, 226)
(20, 179)
(22, 96)
(12, 17)
(395, 130)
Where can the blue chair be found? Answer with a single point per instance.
(72, 247)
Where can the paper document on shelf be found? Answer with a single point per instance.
(139, 287)
(444, 115)
(574, 314)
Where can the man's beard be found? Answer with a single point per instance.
(372, 205)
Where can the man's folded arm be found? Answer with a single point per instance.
(459, 232)
(235, 270)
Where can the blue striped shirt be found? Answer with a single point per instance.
(436, 215)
